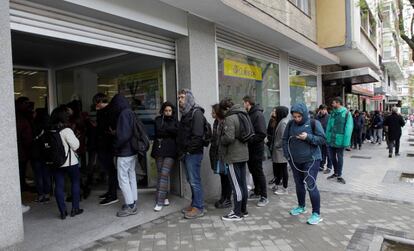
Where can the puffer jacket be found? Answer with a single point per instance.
(339, 129)
(234, 151)
(302, 151)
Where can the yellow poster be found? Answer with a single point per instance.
(240, 70)
(297, 81)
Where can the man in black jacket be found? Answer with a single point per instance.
(104, 148)
(323, 117)
(393, 124)
(256, 151)
(191, 147)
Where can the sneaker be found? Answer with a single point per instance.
(186, 209)
(223, 203)
(194, 213)
(327, 171)
(245, 214)
(348, 149)
(166, 202)
(281, 191)
(341, 180)
(157, 208)
(25, 208)
(274, 188)
(45, 200)
(314, 219)
(262, 202)
(108, 201)
(333, 176)
(75, 212)
(272, 181)
(397, 154)
(232, 217)
(297, 211)
(103, 196)
(127, 211)
(254, 196)
(389, 155)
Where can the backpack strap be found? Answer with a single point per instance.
(346, 119)
(289, 125)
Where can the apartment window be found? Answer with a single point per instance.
(303, 5)
(368, 22)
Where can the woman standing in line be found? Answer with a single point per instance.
(164, 151)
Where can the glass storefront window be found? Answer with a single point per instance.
(32, 84)
(241, 75)
(303, 89)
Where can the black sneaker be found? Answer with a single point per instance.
(245, 214)
(231, 217)
(341, 180)
(390, 155)
(397, 154)
(272, 181)
(103, 196)
(108, 201)
(333, 176)
(222, 203)
(254, 196)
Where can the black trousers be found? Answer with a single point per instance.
(225, 187)
(282, 174)
(259, 179)
(106, 160)
(237, 175)
(392, 144)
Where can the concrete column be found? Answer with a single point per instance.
(197, 70)
(284, 79)
(11, 221)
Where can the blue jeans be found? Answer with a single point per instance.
(301, 177)
(337, 158)
(74, 175)
(192, 168)
(42, 177)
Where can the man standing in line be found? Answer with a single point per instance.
(256, 151)
(104, 146)
(393, 124)
(323, 117)
(190, 146)
(338, 136)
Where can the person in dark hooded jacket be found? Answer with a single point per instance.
(256, 151)
(125, 153)
(191, 147)
(301, 146)
(393, 124)
(164, 150)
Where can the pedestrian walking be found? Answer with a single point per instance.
(301, 146)
(323, 117)
(338, 137)
(359, 123)
(256, 151)
(191, 147)
(164, 151)
(393, 125)
(377, 126)
(105, 141)
(126, 155)
(236, 154)
(278, 158)
(217, 158)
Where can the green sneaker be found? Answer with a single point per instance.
(298, 210)
(314, 219)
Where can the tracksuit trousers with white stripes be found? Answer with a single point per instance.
(237, 175)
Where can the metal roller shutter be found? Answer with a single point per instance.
(234, 39)
(302, 65)
(43, 20)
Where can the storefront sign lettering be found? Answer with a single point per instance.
(297, 81)
(241, 70)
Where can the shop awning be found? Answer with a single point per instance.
(355, 76)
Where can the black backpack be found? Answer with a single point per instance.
(52, 149)
(140, 141)
(208, 133)
(246, 132)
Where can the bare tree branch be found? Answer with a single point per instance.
(407, 39)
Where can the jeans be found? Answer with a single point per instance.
(392, 144)
(256, 169)
(74, 175)
(281, 174)
(301, 177)
(337, 157)
(127, 178)
(357, 138)
(164, 166)
(326, 157)
(106, 160)
(377, 137)
(42, 177)
(192, 164)
(237, 175)
(226, 189)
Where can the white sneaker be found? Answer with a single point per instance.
(166, 202)
(281, 191)
(157, 208)
(25, 209)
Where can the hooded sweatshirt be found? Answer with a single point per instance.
(125, 119)
(256, 144)
(302, 151)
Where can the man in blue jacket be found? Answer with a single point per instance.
(302, 140)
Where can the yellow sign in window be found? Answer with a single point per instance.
(297, 81)
(240, 70)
